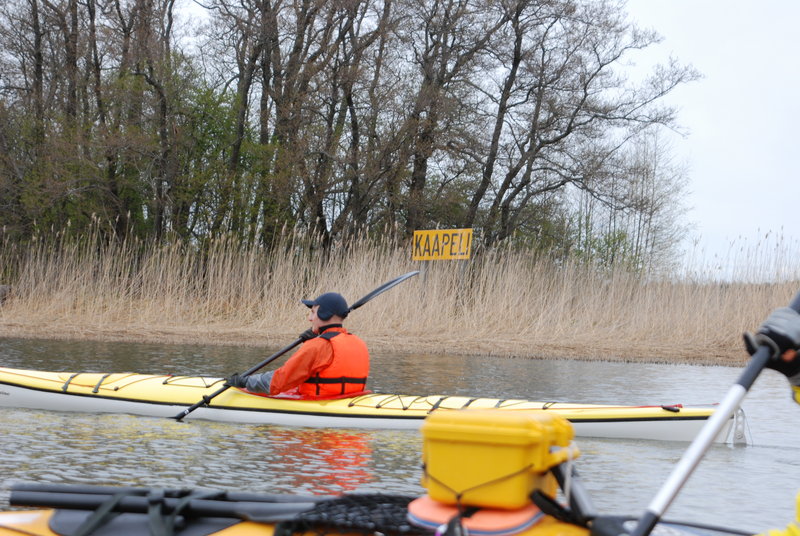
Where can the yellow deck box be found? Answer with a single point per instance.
(492, 458)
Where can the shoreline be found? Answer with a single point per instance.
(626, 351)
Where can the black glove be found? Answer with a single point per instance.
(237, 380)
(306, 335)
(781, 332)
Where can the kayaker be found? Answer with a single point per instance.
(781, 332)
(331, 362)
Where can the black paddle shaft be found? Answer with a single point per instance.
(691, 458)
(107, 491)
(207, 398)
(200, 506)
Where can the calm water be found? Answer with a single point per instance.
(749, 487)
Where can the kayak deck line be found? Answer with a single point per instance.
(66, 385)
(503, 403)
(100, 382)
(170, 379)
(165, 395)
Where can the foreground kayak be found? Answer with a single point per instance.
(166, 396)
(138, 511)
(486, 473)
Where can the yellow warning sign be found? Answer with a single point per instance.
(442, 244)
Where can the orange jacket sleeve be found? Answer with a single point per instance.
(314, 355)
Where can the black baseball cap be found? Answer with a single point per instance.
(330, 304)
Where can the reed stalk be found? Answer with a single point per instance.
(501, 303)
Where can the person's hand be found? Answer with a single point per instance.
(781, 333)
(237, 380)
(306, 335)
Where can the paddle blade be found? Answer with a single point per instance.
(383, 288)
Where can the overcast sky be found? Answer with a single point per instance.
(742, 116)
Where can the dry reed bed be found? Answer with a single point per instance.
(503, 303)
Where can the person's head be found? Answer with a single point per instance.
(328, 308)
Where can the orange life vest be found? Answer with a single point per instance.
(347, 373)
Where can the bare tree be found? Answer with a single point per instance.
(446, 50)
(659, 185)
(633, 218)
(334, 116)
(560, 108)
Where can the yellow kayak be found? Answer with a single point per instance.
(348, 515)
(166, 396)
(132, 511)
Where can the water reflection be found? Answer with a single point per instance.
(322, 461)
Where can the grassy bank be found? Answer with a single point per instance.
(500, 304)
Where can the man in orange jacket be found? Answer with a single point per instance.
(781, 332)
(331, 363)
